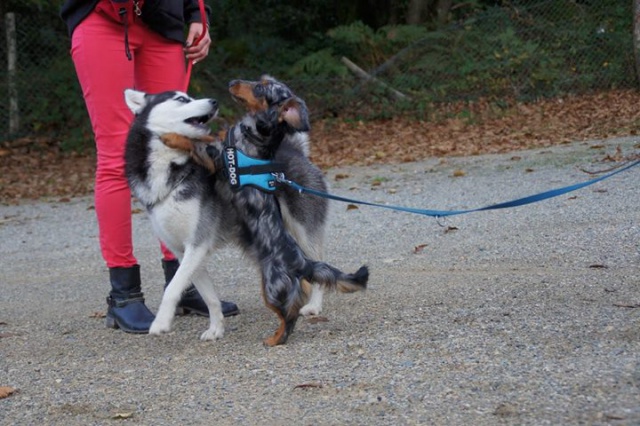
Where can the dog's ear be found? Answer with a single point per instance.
(294, 112)
(136, 100)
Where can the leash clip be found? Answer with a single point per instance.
(280, 178)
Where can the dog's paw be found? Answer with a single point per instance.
(159, 327)
(310, 310)
(213, 333)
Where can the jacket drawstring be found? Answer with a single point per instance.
(125, 22)
(123, 15)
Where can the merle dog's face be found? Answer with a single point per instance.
(259, 95)
(271, 101)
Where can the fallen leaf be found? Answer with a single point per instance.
(450, 229)
(598, 266)
(419, 248)
(308, 385)
(505, 410)
(613, 417)
(459, 173)
(5, 391)
(4, 335)
(627, 305)
(352, 207)
(98, 315)
(122, 416)
(316, 319)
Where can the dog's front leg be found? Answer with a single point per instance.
(205, 287)
(193, 258)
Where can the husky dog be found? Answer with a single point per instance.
(193, 211)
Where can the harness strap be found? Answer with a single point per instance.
(442, 213)
(242, 170)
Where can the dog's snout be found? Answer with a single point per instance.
(214, 103)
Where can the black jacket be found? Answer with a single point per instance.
(166, 17)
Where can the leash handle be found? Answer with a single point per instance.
(203, 17)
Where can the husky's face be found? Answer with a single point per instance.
(272, 97)
(172, 112)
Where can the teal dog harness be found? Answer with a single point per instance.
(243, 170)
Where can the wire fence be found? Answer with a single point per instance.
(511, 52)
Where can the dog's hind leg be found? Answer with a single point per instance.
(278, 298)
(204, 285)
(287, 324)
(192, 260)
(312, 247)
(314, 304)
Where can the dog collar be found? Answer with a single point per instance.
(243, 170)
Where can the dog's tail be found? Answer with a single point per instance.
(334, 279)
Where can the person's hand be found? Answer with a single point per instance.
(197, 52)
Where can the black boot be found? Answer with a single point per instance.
(191, 301)
(126, 302)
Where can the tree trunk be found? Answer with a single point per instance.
(415, 11)
(444, 7)
(12, 74)
(636, 36)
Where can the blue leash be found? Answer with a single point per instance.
(441, 213)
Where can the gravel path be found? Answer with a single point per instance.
(521, 316)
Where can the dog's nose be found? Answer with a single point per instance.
(214, 103)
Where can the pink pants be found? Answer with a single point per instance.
(104, 72)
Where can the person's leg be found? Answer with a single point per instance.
(104, 72)
(161, 66)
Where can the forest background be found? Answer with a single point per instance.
(384, 80)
